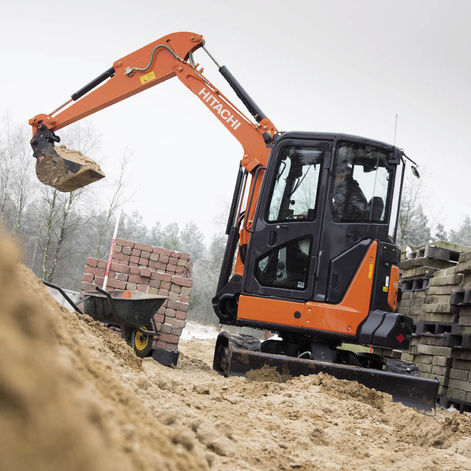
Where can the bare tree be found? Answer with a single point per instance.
(16, 174)
(117, 198)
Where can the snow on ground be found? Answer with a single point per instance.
(193, 330)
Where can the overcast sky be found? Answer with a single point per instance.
(344, 66)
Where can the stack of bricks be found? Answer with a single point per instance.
(152, 270)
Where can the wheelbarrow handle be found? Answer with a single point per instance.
(64, 294)
(110, 300)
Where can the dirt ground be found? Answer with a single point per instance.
(73, 396)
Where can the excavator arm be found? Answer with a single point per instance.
(168, 57)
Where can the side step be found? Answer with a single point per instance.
(412, 391)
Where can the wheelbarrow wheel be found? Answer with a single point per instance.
(142, 343)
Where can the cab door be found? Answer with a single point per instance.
(283, 251)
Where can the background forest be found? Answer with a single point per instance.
(58, 231)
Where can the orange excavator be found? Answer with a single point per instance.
(310, 250)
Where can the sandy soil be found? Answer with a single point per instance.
(73, 396)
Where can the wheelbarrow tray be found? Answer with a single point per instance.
(135, 311)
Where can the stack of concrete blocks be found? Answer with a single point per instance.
(154, 270)
(427, 280)
(459, 339)
(417, 268)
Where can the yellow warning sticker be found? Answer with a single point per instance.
(147, 77)
(385, 289)
(370, 273)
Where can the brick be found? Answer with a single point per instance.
(142, 288)
(117, 284)
(160, 344)
(185, 256)
(179, 306)
(134, 270)
(161, 251)
(145, 254)
(169, 338)
(99, 280)
(131, 286)
(158, 266)
(175, 288)
(165, 285)
(181, 270)
(461, 354)
(87, 277)
(117, 248)
(166, 329)
(173, 295)
(174, 322)
(122, 277)
(137, 279)
(180, 315)
(181, 281)
(134, 259)
(92, 262)
(170, 313)
(171, 268)
(175, 254)
(159, 318)
(145, 272)
(163, 292)
(135, 252)
(126, 250)
(124, 242)
(184, 299)
(143, 261)
(145, 247)
(163, 258)
(441, 290)
(177, 331)
(186, 291)
(154, 283)
(154, 257)
(119, 267)
(151, 290)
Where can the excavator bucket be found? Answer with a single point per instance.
(64, 169)
(233, 357)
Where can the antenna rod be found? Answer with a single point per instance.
(395, 130)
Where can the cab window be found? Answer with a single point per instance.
(295, 190)
(361, 184)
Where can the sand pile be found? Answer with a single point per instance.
(73, 396)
